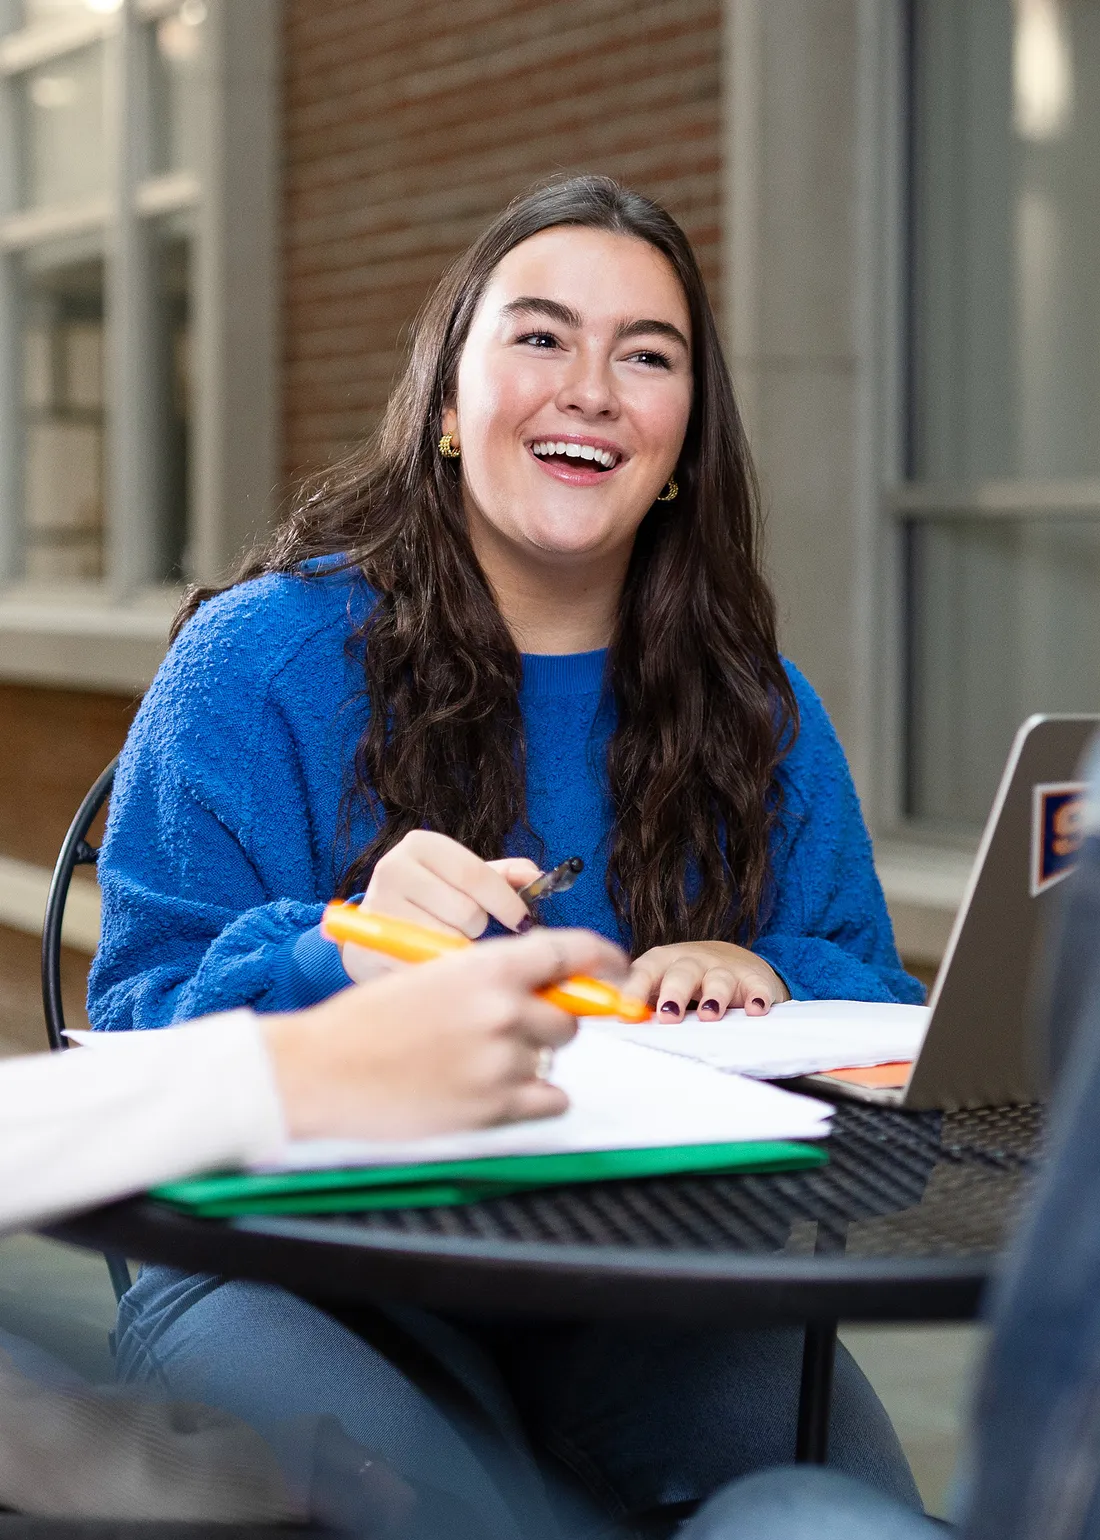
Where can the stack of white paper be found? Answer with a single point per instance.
(621, 1097)
(799, 1037)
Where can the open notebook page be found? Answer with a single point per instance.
(799, 1037)
(621, 1097)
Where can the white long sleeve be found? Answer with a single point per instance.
(94, 1124)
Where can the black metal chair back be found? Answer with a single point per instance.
(75, 851)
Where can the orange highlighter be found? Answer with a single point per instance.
(407, 942)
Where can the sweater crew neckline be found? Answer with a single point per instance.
(567, 673)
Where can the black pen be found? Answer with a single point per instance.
(559, 880)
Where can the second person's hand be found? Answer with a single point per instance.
(439, 1046)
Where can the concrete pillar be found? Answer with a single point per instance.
(809, 147)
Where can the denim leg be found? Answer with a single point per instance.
(271, 1359)
(649, 1417)
(806, 1503)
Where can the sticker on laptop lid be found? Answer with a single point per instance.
(1057, 829)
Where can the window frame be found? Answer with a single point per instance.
(111, 633)
(906, 498)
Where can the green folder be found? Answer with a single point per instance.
(450, 1182)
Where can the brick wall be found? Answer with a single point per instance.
(55, 744)
(409, 124)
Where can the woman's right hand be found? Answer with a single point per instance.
(435, 881)
(443, 1046)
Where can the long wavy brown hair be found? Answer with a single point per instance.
(703, 708)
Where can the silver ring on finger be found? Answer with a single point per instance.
(544, 1066)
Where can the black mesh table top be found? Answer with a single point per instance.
(905, 1222)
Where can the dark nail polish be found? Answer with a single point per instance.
(760, 1001)
(524, 925)
(709, 1005)
(670, 1008)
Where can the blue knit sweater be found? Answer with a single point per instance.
(223, 840)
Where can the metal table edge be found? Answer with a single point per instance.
(335, 1261)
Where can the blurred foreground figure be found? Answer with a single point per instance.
(66, 1449)
(1035, 1446)
(70, 1450)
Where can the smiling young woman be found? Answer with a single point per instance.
(511, 598)
(527, 622)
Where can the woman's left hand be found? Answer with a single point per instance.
(716, 973)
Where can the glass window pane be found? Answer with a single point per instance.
(177, 43)
(64, 411)
(63, 144)
(1007, 623)
(1006, 228)
(171, 268)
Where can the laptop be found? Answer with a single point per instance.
(977, 1050)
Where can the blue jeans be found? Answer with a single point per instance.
(624, 1420)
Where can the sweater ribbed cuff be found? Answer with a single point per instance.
(773, 956)
(307, 970)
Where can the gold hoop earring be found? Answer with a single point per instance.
(448, 450)
(669, 493)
